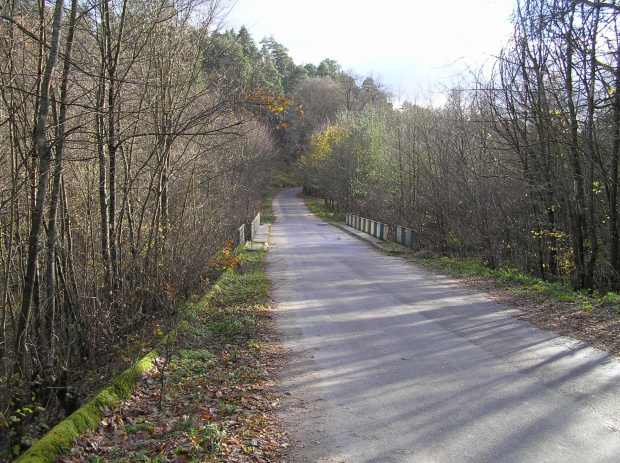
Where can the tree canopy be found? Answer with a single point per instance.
(135, 137)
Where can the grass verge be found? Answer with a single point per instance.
(317, 206)
(516, 282)
(210, 399)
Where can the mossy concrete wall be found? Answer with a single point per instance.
(62, 435)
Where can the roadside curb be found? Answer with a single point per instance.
(46, 449)
(88, 416)
(49, 447)
(374, 242)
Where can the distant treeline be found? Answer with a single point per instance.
(521, 166)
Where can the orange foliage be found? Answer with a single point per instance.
(267, 98)
(224, 259)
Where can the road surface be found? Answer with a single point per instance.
(391, 363)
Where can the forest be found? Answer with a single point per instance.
(519, 167)
(136, 136)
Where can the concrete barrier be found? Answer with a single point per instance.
(381, 231)
(255, 225)
(241, 235)
(394, 233)
(405, 237)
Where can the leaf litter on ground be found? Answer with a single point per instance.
(220, 399)
(213, 397)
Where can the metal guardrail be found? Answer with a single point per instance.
(394, 233)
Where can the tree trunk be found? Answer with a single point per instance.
(44, 156)
(612, 193)
(578, 213)
(50, 317)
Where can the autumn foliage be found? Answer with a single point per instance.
(225, 258)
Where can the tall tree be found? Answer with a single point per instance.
(44, 155)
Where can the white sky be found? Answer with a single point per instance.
(409, 45)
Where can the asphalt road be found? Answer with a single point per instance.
(391, 363)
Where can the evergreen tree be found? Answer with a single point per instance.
(271, 76)
(290, 73)
(328, 68)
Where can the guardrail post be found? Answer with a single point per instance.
(414, 239)
(241, 235)
(254, 228)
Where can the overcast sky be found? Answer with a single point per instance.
(409, 45)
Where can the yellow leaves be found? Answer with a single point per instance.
(225, 259)
(321, 144)
(547, 234)
(267, 98)
(597, 188)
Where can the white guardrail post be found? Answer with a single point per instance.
(241, 235)
(255, 225)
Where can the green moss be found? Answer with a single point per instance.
(62, 435)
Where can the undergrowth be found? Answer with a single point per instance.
(518, 283)
(213, 400)
(317, 206)
(266, 215)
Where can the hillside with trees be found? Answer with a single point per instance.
(519, 168)
(135, 137)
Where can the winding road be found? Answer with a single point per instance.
(391, 363)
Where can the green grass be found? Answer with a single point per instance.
(611, 299)
(234, 307)
(233, 288)
(317, 206)
(393, 247)
(517, 282)
(266, 214)
(211, 378)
